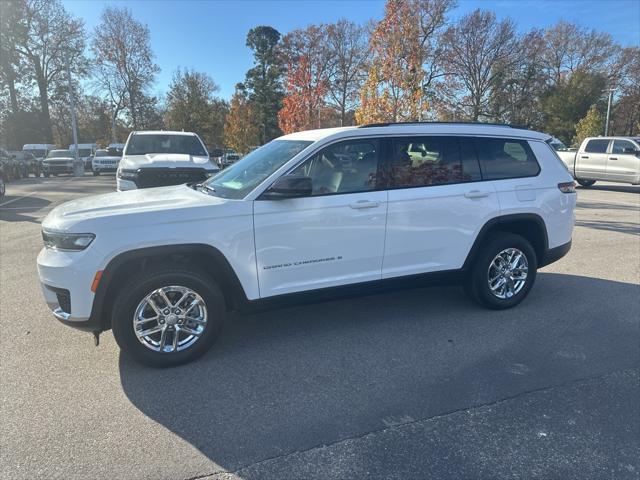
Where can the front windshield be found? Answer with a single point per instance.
(59, 153)
(159, 143)
(244, 175)
(38, 153)
(84, 152)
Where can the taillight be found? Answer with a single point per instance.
(567, 187)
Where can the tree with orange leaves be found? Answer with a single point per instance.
(404, 61)
(308, 66)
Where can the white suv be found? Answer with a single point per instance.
(322, 210)
(159, 158)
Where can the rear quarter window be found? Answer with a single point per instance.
(502, 158)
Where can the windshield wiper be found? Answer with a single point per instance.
(203, 186)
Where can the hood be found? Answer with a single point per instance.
(164, 160)
(116, 210)
(59, 158)
(108, 157)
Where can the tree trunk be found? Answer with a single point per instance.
(13, 95)
(44, 104)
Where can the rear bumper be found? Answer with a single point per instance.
(555, 254)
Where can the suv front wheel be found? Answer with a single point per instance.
(168, 316)
(503, 272)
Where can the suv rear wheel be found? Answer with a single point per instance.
(168, 316)
(503, 272)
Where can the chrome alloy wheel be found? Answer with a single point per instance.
(170, 319)
(507, 273)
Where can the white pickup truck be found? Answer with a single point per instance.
(611, 159)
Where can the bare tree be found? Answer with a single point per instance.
(516, 95)
(570, 48)
(478, 49)
(124, 61)
(349, 44)
(53, 40)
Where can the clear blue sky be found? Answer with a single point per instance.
(210, 35)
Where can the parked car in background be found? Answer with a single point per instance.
(57, 162)
(3, 187)
(85, 153)
(611, 159)
(11, 167)
(485, 206)
(161, 158)
(29, 164)
(39, 150)
(216, 155)
(229, 158)
(5, 166)
(116, 149)
(105, 160)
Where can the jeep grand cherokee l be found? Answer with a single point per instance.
(318, 211)
(159, 158)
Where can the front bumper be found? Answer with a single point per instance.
(123, 185)
(66, 281)
(58, 168)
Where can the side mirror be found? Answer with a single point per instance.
(289, 186)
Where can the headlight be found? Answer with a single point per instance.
(127, 174)
(67, 241)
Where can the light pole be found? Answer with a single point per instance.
(606, 124)
(113, 124)
(74, 125)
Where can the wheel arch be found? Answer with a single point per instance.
(528, 225)
(202, 256)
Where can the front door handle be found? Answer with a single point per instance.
(613, 158)
(477, 194)
(364, 204)
(584, 156)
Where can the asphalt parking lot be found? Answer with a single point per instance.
(413, 384)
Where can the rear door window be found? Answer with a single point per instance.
(620, 145)
(431, 160)
(502, 158)
(597, 145)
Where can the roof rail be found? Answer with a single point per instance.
(389, 124)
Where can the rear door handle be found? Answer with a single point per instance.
(584, 156)
(613, 158)
(477, 194)
(364, 204)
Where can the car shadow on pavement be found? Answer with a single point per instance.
(632, 228)
(613, 188)
(295, 378)
(15, 211)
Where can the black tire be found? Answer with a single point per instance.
(586, 183)
(96, 173)
(47, 174)
(137, 288)
(477, 285)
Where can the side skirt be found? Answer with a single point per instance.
(448, 277)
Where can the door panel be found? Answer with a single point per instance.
(335, 236)
(316, 242)
(622, 167)
(433, 228)
(592, 163)
(437, 207)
